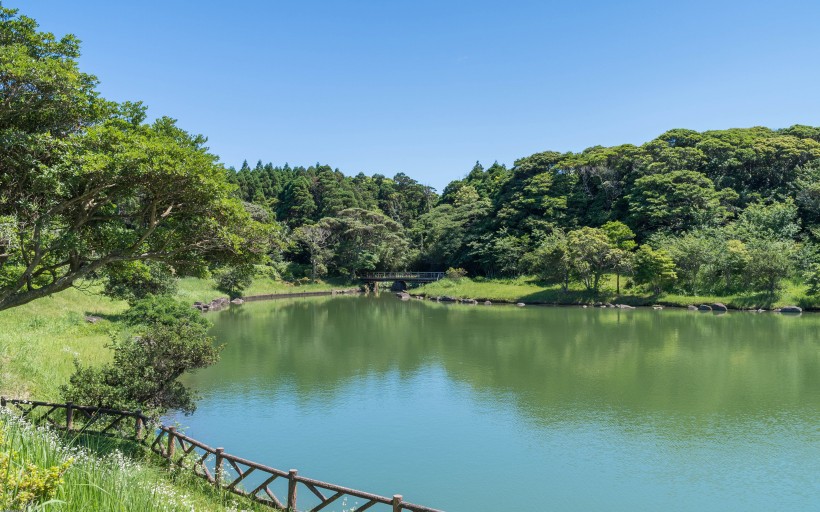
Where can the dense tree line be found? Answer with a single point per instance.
(716, 211)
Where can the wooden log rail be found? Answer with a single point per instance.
(234, 474)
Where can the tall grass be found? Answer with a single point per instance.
(39, 341)
(101, 477)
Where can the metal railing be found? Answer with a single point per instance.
(411, 276)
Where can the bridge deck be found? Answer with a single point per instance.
(426, 277)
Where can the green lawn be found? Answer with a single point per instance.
(529, 290)
(204, 290)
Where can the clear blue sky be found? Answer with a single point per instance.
(429, 87)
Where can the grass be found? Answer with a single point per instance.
(98, 475)
(40, 340)
(204, 290)
(38, 345)
(530, 290)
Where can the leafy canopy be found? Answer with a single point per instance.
(85, 183)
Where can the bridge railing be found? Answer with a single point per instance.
(426, 276)
(263, 484)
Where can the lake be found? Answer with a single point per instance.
(491, 408)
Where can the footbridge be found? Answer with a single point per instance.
(407, 277)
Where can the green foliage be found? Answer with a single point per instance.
(674, 201)
(769, 263)
(655, 269)
(87, 184)
(135, 280)
(551, 261)
(169, 339)
(812, 279)
(365, 240)
(590, 253)
(235, 279)
(145, 371)
(166, 311)
(455, 274)
(24, 485)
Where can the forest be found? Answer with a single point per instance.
(720, 211)
(91, 190)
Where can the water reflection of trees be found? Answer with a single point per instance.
(549, 360)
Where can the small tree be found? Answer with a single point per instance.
(655, 269)
(234, 280)
(148, 362)
(769, 263)
(812, 278)
(550, 261)
(590, 252)
(622, 241)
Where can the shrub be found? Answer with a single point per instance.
(455, 274)
(234, 280)
(135, 280)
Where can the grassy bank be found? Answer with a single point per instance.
(529, 290)
(38, 345)
(92, 473)
(39, 341)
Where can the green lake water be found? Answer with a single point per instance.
(477, 408)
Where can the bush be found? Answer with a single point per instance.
(164, 311)
(169, 340)
(812, 278)
(455, 274)
(234, 280)
(135, 280)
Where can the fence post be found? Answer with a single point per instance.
(69, 416)
(292, 490)
(171, 443)
(397, 502)
(2, 401)
(138, 425)
(218, 467)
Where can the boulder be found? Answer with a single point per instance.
(657, 306)
(403, 295)
(624, 306)
(691, 307)
(469, 301)
(704, 307)
(488, 303)
(237, 301)
(520, 304)
(791, 309)
(718, 306)
(92, 319)
(447, 298)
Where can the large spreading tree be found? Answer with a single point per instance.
(86, 183)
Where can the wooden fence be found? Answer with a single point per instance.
(235, 474)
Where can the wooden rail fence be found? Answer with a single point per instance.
(235, 474)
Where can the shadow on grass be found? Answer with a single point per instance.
(111, 317)
(580, 297)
